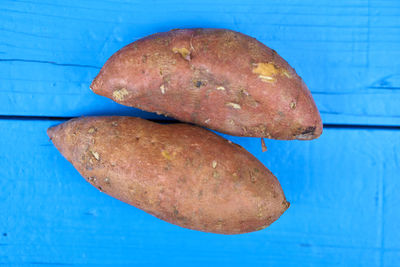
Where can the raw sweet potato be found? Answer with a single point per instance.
(220, 79)
(180, 173)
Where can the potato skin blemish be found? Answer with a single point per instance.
(268, 71)
(184, 52)
(233, 105)
(119, 95)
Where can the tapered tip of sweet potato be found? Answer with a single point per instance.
(56, 133)
(51, 131)
(307, 120)
(311, 131)
(287, 205)
(93, 85)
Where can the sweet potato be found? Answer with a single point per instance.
(220, 79)
(180, 173)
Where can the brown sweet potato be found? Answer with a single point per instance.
(180, 173)
(220, 79)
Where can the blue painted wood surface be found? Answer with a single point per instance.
(343, 190)
(346, 51)
(343, 187)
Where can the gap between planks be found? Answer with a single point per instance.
(326, 125)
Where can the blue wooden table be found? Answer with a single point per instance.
(344, 187)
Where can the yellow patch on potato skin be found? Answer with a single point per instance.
(166, 155)
(268, 71)
(120, 94)
(184, 52)
(265, 69)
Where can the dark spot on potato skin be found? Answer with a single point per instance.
(309, 130)
(176, 212)
(179, 217)
(305, 133)
(198, 84)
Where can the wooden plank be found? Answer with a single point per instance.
(343, 189)
(391, 259)
(346, 51)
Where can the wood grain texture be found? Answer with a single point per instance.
(343, 188)
(346, 51)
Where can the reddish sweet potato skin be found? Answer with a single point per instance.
(180, 173)
(217, 78)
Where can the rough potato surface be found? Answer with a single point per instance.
(220, 79)
(180, 173)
